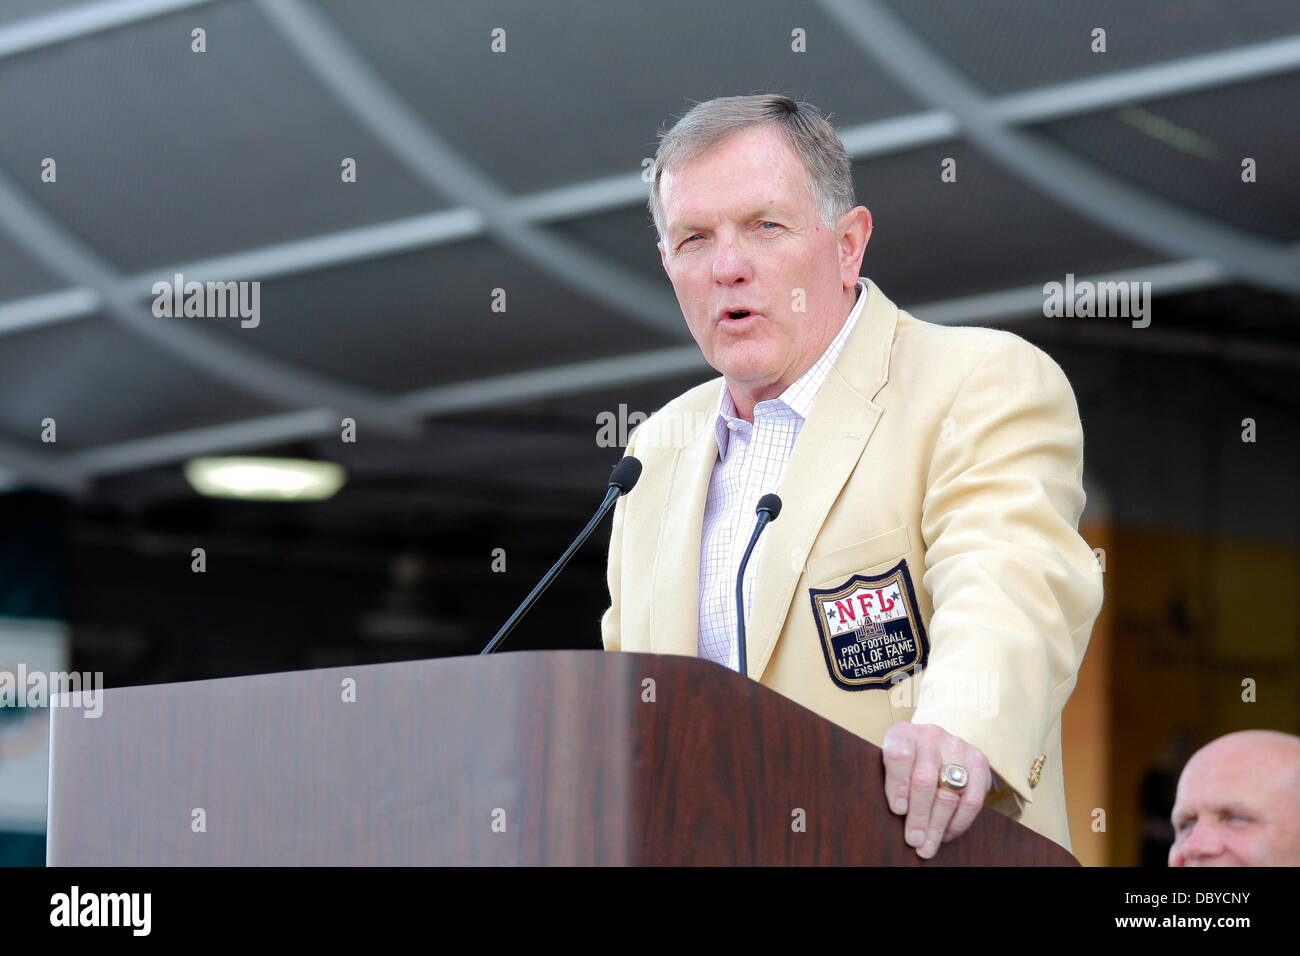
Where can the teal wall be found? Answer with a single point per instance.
(22, 849)
(32, 542)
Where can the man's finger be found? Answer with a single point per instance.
(972, 798)
(946, 801)
(922, 784)
(898, 749)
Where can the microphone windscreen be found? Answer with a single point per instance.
(771, 504)
(626, 473)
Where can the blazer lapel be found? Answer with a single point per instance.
(675, 624)
(828, 448)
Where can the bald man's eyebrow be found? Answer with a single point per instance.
(1219, 809)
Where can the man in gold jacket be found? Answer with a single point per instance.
(925, 585)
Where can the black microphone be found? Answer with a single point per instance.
(769, 506)
(621, 480)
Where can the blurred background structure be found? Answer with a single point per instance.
(443, 204)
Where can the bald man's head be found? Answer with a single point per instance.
(1239, 803)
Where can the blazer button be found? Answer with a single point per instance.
(1036, 769)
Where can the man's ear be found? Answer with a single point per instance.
(854, 233)
(663, 256)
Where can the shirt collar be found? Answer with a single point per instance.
(799, 397)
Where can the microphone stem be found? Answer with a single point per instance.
(611, 496)
(742, 659)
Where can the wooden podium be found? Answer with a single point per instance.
(536, 758)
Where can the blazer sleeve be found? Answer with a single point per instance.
(1015, 588)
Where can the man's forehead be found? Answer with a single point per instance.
(735, 172)
(1212, 786)
(1252, 762)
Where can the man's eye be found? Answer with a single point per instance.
(772, 224)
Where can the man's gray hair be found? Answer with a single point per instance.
(814, 140)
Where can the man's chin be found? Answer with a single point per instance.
(746, 367)
(761, 387)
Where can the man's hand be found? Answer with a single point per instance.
(913, 754)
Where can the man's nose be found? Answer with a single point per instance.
(1203, 842)
(732, 263)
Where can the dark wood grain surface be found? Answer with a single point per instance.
(520, 758)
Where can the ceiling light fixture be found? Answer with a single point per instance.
(265, 479)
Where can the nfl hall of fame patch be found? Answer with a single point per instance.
(871, 629)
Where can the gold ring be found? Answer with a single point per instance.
(953, 776)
